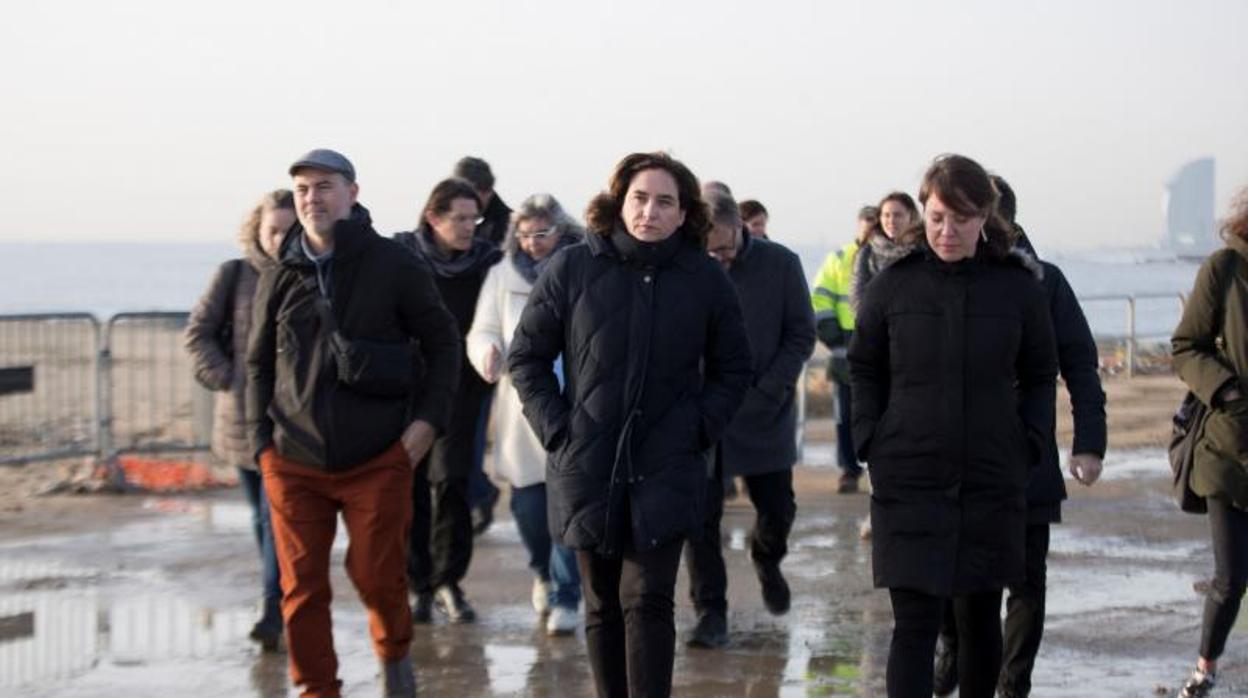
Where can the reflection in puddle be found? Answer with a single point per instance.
(508, 667)
(52, 628)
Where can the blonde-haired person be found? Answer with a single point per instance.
(1210, 347)
(216, 337)
(539, 228)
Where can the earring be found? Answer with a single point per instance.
(983, 235)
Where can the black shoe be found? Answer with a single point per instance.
(945, 672)
(483, 514)
(266, 635)
(397, 679)
(711, 632)
(776, 596)
(848, 484)
(1199, 685)
(450, 601)
(422, 610)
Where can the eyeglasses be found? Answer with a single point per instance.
(537, 234)
(461, 220)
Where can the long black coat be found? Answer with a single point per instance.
(781, 325)
(656, 361)
(452, 455)
(952, 368)
(1077, 361)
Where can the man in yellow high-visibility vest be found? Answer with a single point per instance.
(834, 322)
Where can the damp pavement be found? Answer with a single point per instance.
(158, 601)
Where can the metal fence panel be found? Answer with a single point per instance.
(57, 418)
(153, 402)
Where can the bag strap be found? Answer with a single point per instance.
(233, 269)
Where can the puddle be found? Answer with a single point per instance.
(1066, 541)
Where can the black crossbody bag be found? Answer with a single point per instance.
(369, 366)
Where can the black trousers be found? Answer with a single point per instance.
(1229, 527)
(440, 545)
(1024, 616)
(629, 626)
(916, 623)
(775, 508)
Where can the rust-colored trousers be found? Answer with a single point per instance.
(376, 504)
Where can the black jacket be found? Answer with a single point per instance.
(952, 368)
(1077, 359)
(771, 286)
(656, 361)
(453, 454)
(495, 219)
(379, 292)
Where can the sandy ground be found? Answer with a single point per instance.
(144, 595)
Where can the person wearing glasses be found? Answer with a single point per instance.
(441, 536)
(539, 229)
(760, 445)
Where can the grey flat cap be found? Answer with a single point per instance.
(327, 160)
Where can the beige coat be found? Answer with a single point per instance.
(518, 454)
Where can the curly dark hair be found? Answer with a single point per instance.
(965, 186)
(603, 212)
(1237, 224)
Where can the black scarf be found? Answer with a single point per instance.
(645, 255)
(482, 255)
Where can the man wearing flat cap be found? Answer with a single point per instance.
(351, 365)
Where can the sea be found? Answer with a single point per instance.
(108, 278)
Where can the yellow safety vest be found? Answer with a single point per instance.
(830, 297)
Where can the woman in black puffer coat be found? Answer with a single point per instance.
(656, 361)
(952, 364)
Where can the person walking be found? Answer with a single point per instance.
(339, 411)
(656, 361)
(952, 364)
(1078, 364)
(216, 338)
(1210, 347)
(760, 443)
(441, 540)
(539, 229)
(834, 325)
(492, 226)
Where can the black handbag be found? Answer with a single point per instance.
(369, 366)
(1189, 423)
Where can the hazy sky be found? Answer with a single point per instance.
(165, 120)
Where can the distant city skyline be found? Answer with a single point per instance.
(152, 121)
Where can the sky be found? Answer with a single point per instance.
(159, 120)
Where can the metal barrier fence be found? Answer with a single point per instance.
(100, 390)
(126, 386)
(57, 417)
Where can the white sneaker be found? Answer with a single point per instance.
(563, 621)
(541, 596)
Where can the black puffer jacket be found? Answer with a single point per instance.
(781, 325)
(952, 368)
(1077, 360)
(656, 362)
(379, 292)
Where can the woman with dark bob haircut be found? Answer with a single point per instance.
(952, 365)
(656, 361)
(440, 547)
(1210, 348)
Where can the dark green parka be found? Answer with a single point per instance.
(1218, 308)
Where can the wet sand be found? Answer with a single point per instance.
(143, 595)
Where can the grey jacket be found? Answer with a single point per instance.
(213, 367)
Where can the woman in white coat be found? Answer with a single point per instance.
(539, 228)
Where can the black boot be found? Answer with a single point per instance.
(776, 596)
(711, 632)
(397, 679)
(450, 601)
